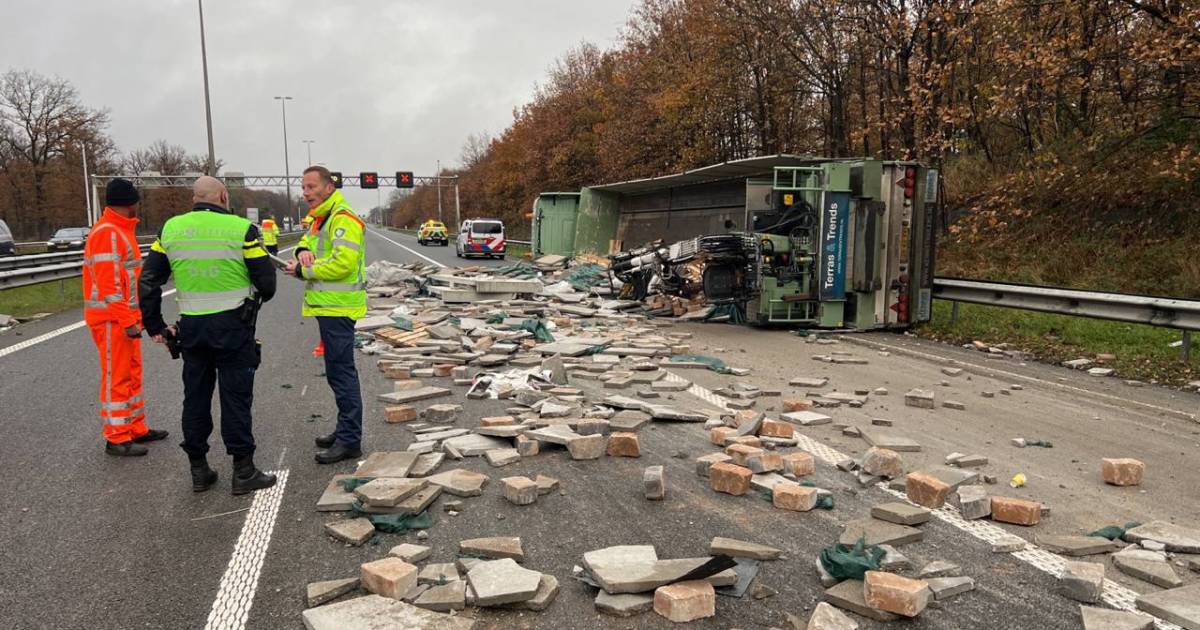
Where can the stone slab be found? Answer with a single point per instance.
(1177, 538)
(495, 547)
(624, 604)
(1150, 566)
(1108, 619)
(387, 464)
(374, 612)
(502, 582)
(460, 482)
(475, 445)
(317, 593)
(742, 549)
(1076, 546)
(849, 595)
(889, 441)
(335, 498)
(1180, 606)
(806, 418)
(413, 395)
(901, 513)
(879, 532)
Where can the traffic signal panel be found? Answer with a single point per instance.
(368, 180)
(404, 179)
(337, 178)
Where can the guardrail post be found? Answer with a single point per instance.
(953, 313)
(1185, 351)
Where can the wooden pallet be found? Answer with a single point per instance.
(402, 338)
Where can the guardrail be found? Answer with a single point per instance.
(41, 260)
(1163, 312)
(20, 271)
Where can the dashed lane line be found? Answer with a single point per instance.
(402, 246)
(235, 596)
(29, 343)
(1114, 594)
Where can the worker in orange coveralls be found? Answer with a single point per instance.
(112, 264)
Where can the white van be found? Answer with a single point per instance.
(480, 237)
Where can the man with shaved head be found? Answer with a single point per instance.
(222, 275)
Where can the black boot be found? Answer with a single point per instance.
(203, 477)
(153, 435)
(337, 453)
(125, 449)
(248, 478)
(324, 441)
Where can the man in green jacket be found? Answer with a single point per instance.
(330, 258)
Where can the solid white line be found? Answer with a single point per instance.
(29, 343)
(408, 248)
(1114, 594)
(235, 596)
(984, 370)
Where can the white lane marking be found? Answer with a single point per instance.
(303, 391)
(1114, 594)
(407, 248)
(235, 596)
(29, 343)
(984, 370)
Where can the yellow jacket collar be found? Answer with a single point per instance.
(334, 200)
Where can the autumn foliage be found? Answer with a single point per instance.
(1066, 130)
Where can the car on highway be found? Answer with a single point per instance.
(433, 231)
(8, 245)
(480, 237)
(67, 239)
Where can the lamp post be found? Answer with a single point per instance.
(309, 144)
(212, 156)
(287, 174)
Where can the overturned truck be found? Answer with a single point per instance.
(772, 240)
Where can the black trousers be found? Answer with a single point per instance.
(274, 249)
(337, 333)
(218, 351)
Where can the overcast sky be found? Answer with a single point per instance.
(382, 85)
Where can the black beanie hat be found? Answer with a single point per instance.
(121, 192)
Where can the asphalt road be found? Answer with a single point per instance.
(93, 541)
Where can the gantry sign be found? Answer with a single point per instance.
(368, 180)
(402, 179)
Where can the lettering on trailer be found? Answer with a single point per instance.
(833, 245)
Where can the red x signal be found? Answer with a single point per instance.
(404, 179)
(368, 180)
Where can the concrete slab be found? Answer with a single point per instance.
(475, 445)
(1107, 619)
(387, 464)
(1177, 538)
(374, 612)
(889, 441)
(879, 532)
(413, 395)
(1180, 606)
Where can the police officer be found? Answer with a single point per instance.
(330, 257)
(222, 274)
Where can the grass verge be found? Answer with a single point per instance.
(47, 297)
(1142, 352)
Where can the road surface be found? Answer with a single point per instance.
(99, 542)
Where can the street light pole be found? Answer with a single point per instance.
(439, 188)
(287, 174)
(212, 155)
(309, 144)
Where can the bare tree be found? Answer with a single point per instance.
(41, 121)
(475, 149)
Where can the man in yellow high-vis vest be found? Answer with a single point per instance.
(222, 274)
(331, 259)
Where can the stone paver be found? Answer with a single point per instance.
(1151, 566)
(495, 547)
(624, 604)
(901, 513)
(387, 464)
(1108, 619)
(352, 531)
(460, 482)
(317, 593)
(686, 601)
(826, 617)
(502, 582)
(1177, 538)
(389, 577)
(374, 612)
(1180, 606)
(742, 549)
(879, 532)
(1082, 581)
